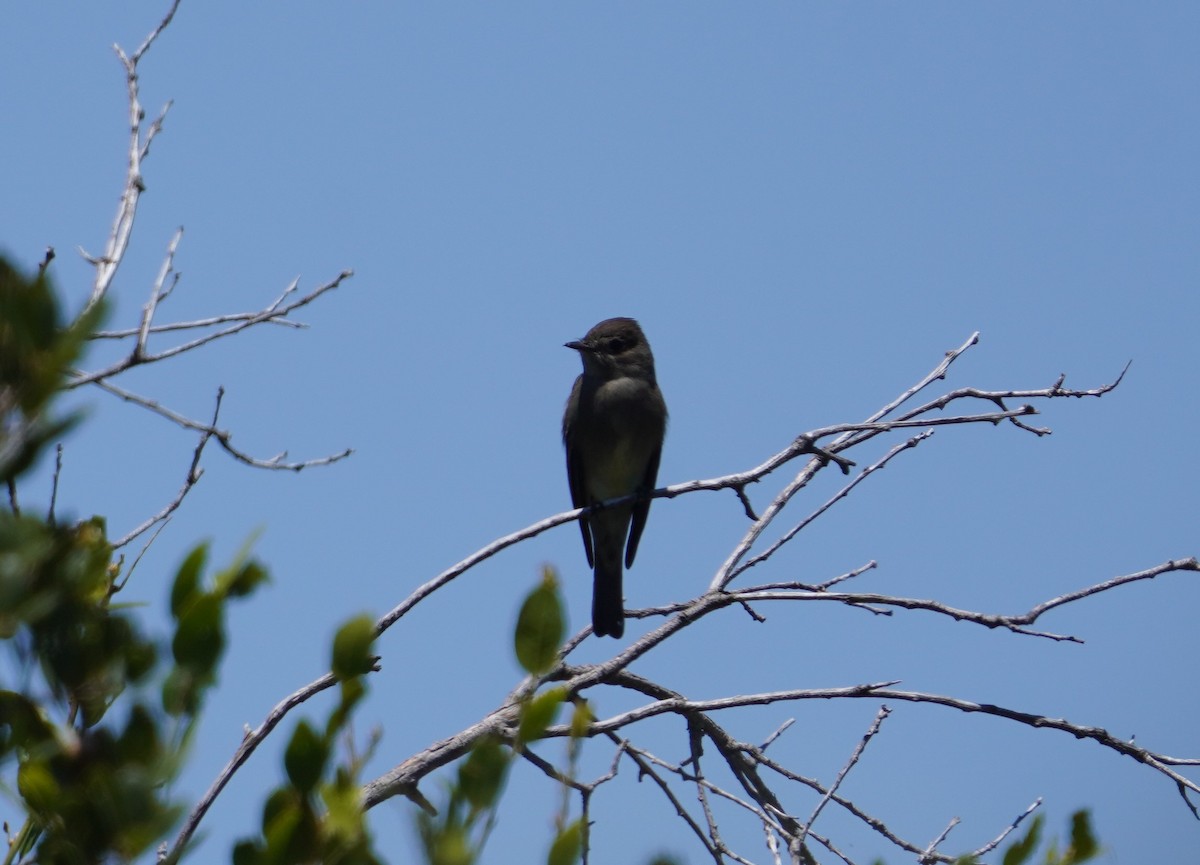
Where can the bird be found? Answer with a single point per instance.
(613, 430)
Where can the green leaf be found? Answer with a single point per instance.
(24, 722)
(38, 788)
(481, 775)
(539, 713)
(581, 719)
(187, 580)
(540, 626)
(567, 845)
(352, 691)
(200, 637)
(305, 758)
(36, 345)
(248, 853)
(139, 743)
(282, 799)
(181, 692)
(285, 833)
(450, 846)
(246, 578)
(1084, 845)
(1021, 851)
(352, 648)
(343, 804)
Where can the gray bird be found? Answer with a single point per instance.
(613, 431)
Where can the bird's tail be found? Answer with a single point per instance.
(608, 601)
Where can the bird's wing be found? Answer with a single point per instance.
(641, 508)
(578, 482)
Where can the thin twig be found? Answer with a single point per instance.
(223, 437)
(937, 374)
(138, 558)
(880, 717)
(198, 323)
(274, 311)
(58, 460)
(156, 294)
(928, 855)
(645, 770)
(1008, 830)
(194, 474)
(139, 149)
(46, 259)
(838, 496)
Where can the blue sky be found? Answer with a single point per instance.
(805, 205)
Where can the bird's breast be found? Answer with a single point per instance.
(624, 433)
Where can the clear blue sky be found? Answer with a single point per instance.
(805, 205)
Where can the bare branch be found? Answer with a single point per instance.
(138, 558)
(58, 455)
(194, 474)
(46, 259)
(139, 148)
(938, 373)
(198, 323)
(155, 33)
(274, 312)
(838, 496)
(778, 732)
(156, 294)
(883, 691)
(880, 717)
(927, 856)
(646, 770)
(223, 437)
(1189, 564)
(1008, 830)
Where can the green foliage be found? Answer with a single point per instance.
(540, 626)
(317, 815)
(93, 756)
(539, 713)
(456, 834)
(92, 785)
(36, 348)
(199, 614)
(567, 845)
(55, 584)
(352, 648)
(305, 758)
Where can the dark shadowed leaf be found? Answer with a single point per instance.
(187, 580)
(1084, 845)
(200, 638)
(305, 757)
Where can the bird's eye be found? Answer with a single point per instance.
(616, 345)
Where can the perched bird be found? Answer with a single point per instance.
(613, 431)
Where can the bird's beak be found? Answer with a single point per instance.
(576, 344)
